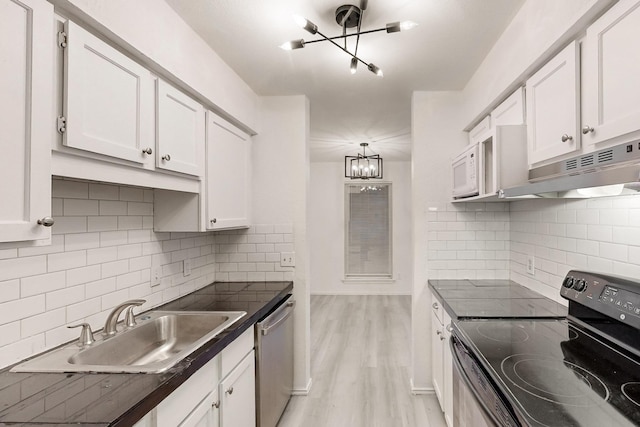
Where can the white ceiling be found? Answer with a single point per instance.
(441, 53)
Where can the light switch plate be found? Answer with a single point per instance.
(287, 259)
(156, 274)
(186, 267)
(531, 265)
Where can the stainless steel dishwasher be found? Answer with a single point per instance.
(274, 363)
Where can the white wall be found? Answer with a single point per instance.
(101, 255)
(280, 196)
(154, 31)
(327, 225)
(437, 137)
(537, 31)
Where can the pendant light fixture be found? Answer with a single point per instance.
(362, 166)
(347, 16)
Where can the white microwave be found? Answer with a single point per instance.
(466, 182)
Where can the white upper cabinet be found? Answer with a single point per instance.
(108, 99)
(26, 118)
(228, 175)
(552, 100)
(611, 76)
(180, 131)
(481, 131)
(511, 111)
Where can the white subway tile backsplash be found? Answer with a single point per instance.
(22, 267)
(66, 260)
(57, 245)
(9, 290)
(100, 287)
(103, 191)
(115, 268)
(64, 297)
(129, 222)
(102, 223)
(42, 322)
(132, 194)
(139, 208)
(79, 241)
(21, 309)
(68, 189)
(80, 207)
(82, 275)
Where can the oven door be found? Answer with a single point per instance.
(476, 402)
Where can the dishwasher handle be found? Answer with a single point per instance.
(287, 308)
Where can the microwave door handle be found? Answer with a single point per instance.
(465, 378)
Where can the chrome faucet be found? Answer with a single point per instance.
(112, 319)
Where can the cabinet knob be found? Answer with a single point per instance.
(435, 305)
(438, 332)
(230, 390)
(587, 129)
(47, 221)
(166, 158)
(216, 404)
(566, 138)
(214, 220)
(147, 150)
(442, 338)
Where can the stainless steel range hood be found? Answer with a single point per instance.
(609, 172)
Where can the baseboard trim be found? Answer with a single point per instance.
(371, 292)
(302, 391)
(420, 390)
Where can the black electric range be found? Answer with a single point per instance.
(580, 371)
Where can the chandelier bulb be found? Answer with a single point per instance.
(305, 24)
(375, 69)
(293, 44)
(407, 25)
(354, 65)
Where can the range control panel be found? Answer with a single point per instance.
(616, 297)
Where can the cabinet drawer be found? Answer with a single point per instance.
(236, 351)
(179, 404)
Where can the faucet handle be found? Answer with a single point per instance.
(129, 317)
(86, 334)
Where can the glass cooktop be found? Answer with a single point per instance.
(556, 373)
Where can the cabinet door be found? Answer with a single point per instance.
(481, 131)
(108, 99)
(611, 76)
(206, 414)
(238, 395)
(228, 175)
(447, 368)
(26, 118)
(511, 111)
(180, 128)
(552, 107)
(437, 365)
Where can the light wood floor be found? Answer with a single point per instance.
(360, 366)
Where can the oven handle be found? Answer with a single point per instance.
(465, 378)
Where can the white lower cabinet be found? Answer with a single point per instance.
(221, 393)
(441, 359)
(238, 395)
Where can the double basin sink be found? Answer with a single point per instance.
(158, 341)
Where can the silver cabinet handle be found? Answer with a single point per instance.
(230, 391)
(438, 332)
(587, 129)
(442, 338)
(216, 404)
(147, 150)
(166, 158)
(435, 305)
(214, 220)
(47, 221)
(566, 138)
(449, 328)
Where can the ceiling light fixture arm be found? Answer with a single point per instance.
(341, 48)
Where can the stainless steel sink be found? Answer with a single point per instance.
(159, 341)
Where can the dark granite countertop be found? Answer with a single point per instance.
(485, 299)
(122, 399)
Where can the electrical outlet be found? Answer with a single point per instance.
(156, 274)
(287, 259)
(186, 267)
(531, 266)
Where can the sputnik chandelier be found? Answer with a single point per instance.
(347, 16)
